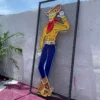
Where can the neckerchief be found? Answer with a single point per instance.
(51, 25)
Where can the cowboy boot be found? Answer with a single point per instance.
(41, 86)
(50, 90)
(47, 86)
(42, 90)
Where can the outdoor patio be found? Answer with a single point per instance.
(14, 90)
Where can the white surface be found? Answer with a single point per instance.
(2, 87)
(87, 57)
(26, 24)
(11, 82)
(2, 83)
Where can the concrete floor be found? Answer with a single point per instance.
(14, 90)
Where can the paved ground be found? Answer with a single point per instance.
(16, 91)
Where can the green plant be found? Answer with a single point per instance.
(4, 50)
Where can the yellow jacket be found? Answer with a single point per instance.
(51, 36)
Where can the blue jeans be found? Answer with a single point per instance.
(46, 60)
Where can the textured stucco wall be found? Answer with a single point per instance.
(87, 59)
(26, 24)
(87, 64)
(7, 68)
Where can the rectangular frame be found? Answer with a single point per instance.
(73, 51)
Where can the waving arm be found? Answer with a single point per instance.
(65, 25)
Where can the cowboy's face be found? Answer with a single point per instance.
(52, 15)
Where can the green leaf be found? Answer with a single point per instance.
(1, 25)
(5, 36)
(16, 49)
(4, 50)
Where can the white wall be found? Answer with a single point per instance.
(26, 24)
(87, 59)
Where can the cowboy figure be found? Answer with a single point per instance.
(47, 46)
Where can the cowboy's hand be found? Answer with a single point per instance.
(39, 53)
(61, 14)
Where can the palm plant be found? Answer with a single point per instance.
(4, 50)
